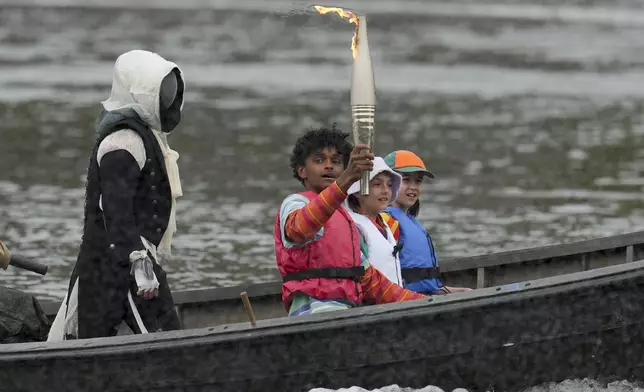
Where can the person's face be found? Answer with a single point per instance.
(321, 169)
(380, 194)
(409, 189)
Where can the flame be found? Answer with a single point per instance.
(353, 18)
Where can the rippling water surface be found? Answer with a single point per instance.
(529, 115)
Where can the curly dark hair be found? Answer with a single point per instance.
(318, 139)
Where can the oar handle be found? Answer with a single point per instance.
(26, 264)
(249, 309)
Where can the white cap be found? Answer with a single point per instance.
(380, 166)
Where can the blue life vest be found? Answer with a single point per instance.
(417, 251)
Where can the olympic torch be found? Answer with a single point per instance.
(363, 90)
(363, 96)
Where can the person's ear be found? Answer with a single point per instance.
(301, 171)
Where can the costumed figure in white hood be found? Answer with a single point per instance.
(132, 184)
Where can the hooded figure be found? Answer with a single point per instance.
(132, 184)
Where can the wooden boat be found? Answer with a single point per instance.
(217, 306)
(540, 321)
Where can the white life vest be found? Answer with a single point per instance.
(381, 249)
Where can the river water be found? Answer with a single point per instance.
(529, 115)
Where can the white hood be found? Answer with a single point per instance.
(136, 84)
(380, 166)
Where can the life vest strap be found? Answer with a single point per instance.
(353, 273)
(411, 275)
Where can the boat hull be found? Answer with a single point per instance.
(586, 324)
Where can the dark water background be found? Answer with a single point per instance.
(529, 115)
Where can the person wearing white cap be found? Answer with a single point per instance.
(381, 248)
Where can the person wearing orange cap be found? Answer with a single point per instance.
(418, 261)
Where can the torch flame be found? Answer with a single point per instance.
(353, 18)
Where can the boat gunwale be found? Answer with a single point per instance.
(543, 252)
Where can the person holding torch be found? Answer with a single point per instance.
(321, 254)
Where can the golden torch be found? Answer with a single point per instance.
(363, 90)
